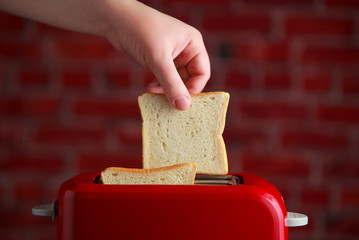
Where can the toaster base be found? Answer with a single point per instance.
(252, 210)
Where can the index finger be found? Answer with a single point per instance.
(199, 70)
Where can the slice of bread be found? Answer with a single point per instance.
(171, 136)
(179, 174)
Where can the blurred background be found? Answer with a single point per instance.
(68, 104)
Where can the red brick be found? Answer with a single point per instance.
(20, 218)
(67, 134)
(315, 196)
(277, 80)
(99, 161)
(350, 196)
(148, 77)
(275, 164)
(350, 84)
(31, 106)
(342, 3)
(33, 162)
(28, 190)
(76, 79)
(49, 234)
(4, 69)
(341, 168)
(259, 50)
(338, 113)
(278, 2)
(34, 77)
(107, 107)
(15, 47)
(119, 78)
(186, 8)
(11, 132)
(130, 134)
(339, 55)
(237, 80)
(343, 223)
(197, 1)
(243, 134)
(315, 139)
(272, 110)
(317, 82)
(224, 51)
(10, 23)
(228, 22)
(83, 47)
(315, 25)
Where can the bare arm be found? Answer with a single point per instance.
(171, 49)
(79, 15)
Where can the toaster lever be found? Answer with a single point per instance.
(296, 219)
(47, 210)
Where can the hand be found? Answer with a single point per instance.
(171, 49)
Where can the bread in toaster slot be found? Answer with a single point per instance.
(179, 174)
(171, 136)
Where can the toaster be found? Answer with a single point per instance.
(234, 206)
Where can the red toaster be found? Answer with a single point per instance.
(241, 206)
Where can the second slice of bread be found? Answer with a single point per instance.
(171, 136)
(180, 174)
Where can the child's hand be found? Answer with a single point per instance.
(171, 49)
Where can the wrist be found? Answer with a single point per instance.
(126, 21)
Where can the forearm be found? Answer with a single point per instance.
(171, 49)
(86, 16)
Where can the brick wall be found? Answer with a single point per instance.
(68, 104)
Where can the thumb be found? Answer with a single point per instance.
(172, 84)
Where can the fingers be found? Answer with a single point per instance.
(181, 70)
(171, 83)
(155, 87)
(178, 83)
(199, 71)
(193, 66)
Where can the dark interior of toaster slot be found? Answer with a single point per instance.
(97, 179)
(239, 179)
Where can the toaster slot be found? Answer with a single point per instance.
(97, 179)
(218, 180)
(204, 180)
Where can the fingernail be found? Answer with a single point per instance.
(182, 103)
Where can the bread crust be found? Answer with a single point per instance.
(152, 170)
(139, 174)
(192, 95)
